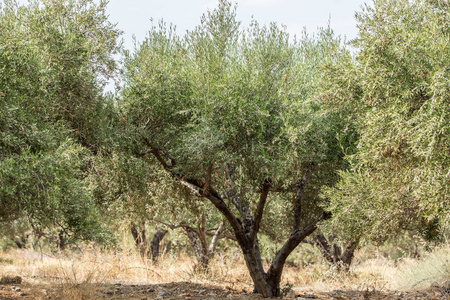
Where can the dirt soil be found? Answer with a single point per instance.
(32, 289)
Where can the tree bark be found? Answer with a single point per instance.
(267, 284)
(156, 241)
(197, 238)
(61, 242)
(333, 254)
(139, 239)
(200, 252)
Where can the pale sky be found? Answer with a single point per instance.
(133, 16)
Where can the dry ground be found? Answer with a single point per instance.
(187, 290)
(96, 275)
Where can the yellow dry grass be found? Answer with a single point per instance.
(92, 266)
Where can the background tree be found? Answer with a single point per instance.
(227, 113)
(141, 194)
(53, 116)
(396, 95)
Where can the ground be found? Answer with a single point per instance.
(41, 289)
(93, 274)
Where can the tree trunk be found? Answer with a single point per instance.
(333, 254)
(201, 252)
(252, 257)
(167, 247)
(348, 255)
(267, 284)
(197, 238)
(157, 238)
(61, 242)
(139, 239)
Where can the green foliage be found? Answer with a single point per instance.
(223, 96)
(53, 116)
(396, 92)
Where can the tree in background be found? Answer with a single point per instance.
(140, 193)
(396, 95)
(227, 113)
(53, 116)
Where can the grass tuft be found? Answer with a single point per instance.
(418, 274)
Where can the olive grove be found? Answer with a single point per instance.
(234, 132)
(228, 113)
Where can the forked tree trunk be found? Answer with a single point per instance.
(197, 237)
(156, 241)
(139, 239)
(333, 253)
(266, 283)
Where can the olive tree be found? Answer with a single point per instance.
(228, 113)
(141, 194)
(53, 116)
(395, 93)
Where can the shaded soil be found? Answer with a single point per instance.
(33, 289)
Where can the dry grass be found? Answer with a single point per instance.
(432, 268)
(92, 266)
(78, 274)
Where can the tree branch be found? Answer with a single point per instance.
(298, 201)
(234, 197)
(260, 209)
(197, 187)
(296, 238)
(158, 153)
(215, 238)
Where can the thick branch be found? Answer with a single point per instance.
(215, 238)
(234, 195)
(296, 238)
(226, 212)
(197, 188)
(159, 155)
(260, 209)
(298, 202)
(202, 230)
(218, 203)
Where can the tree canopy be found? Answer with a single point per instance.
(228, 127)
(396, 94)
(53, 115)
(229, 113)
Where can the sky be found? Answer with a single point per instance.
(133, 16)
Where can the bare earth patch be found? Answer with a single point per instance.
(187, 290)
